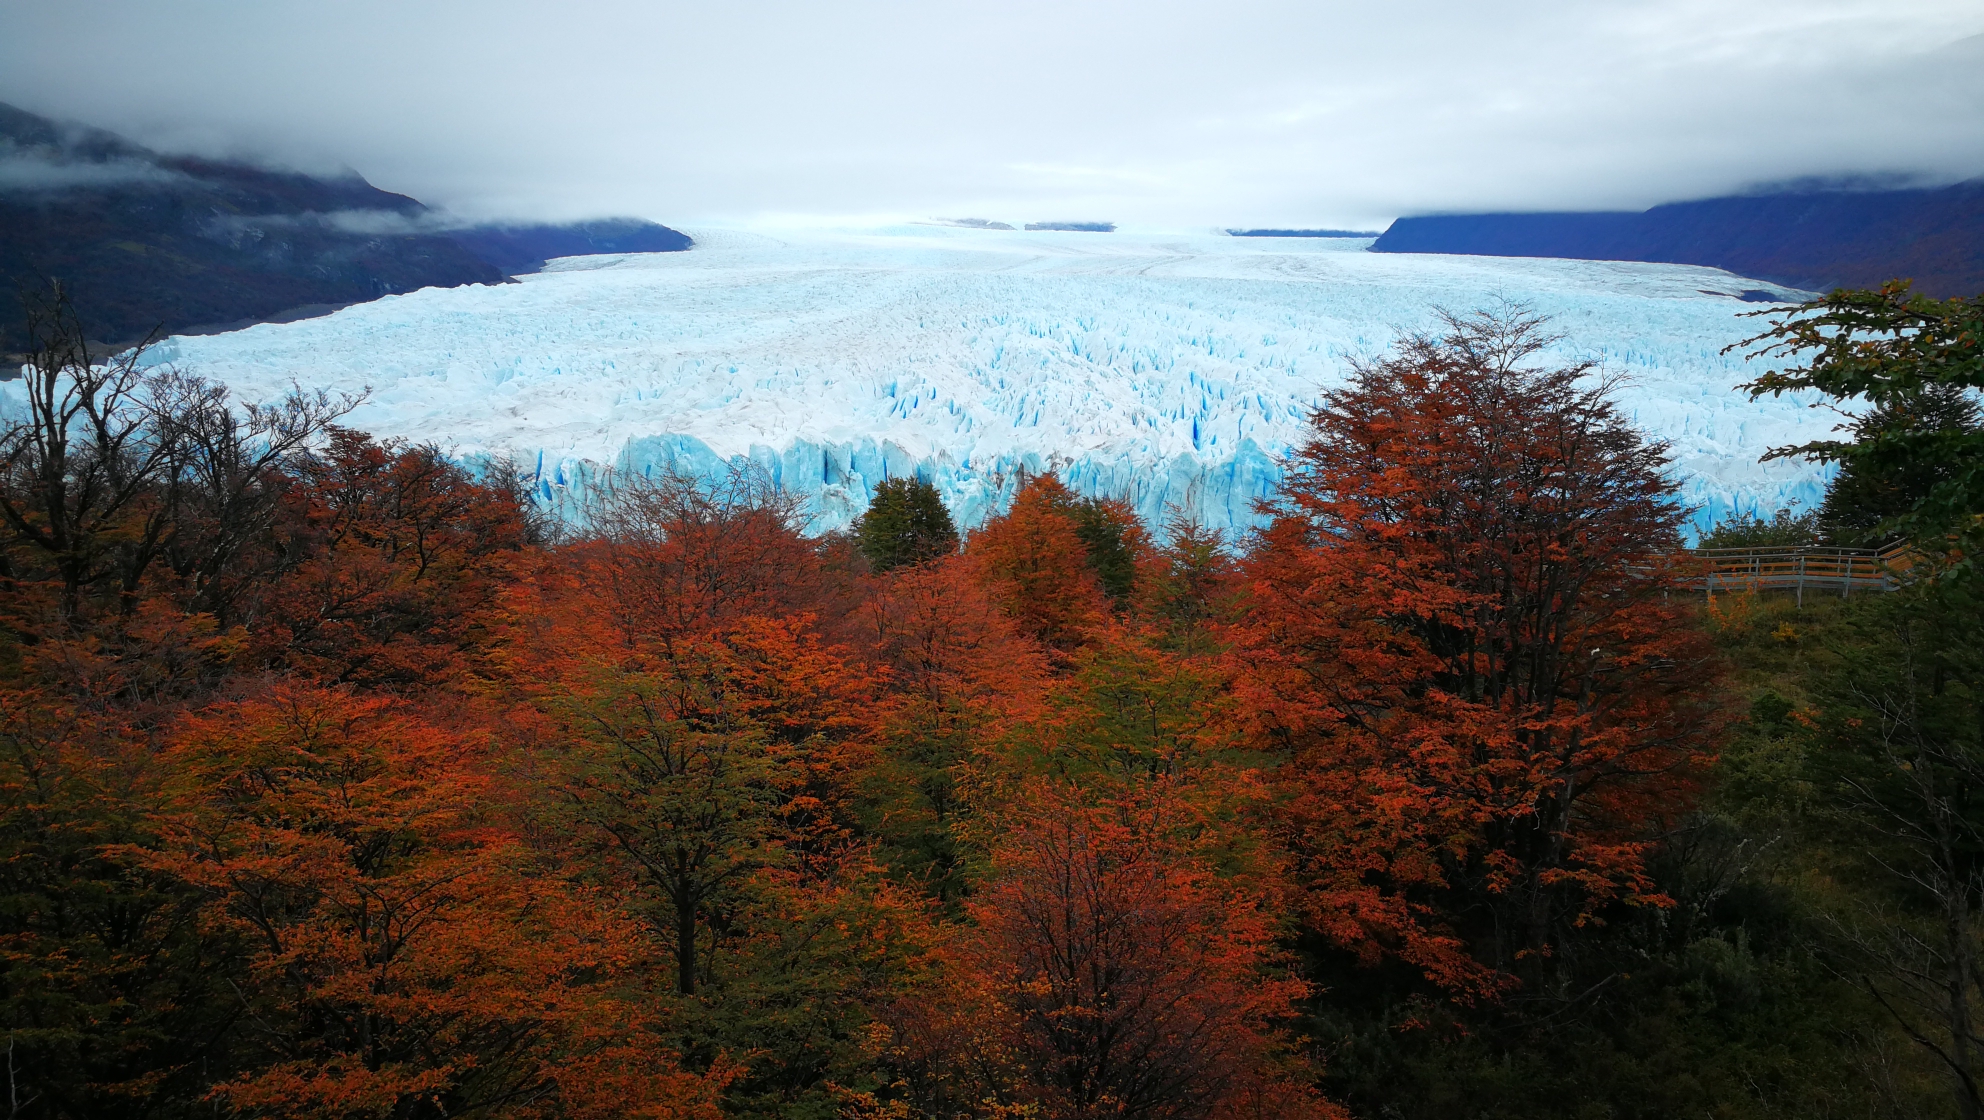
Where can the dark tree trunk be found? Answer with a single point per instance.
(685, 946)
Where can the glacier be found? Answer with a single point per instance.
(1171, 369)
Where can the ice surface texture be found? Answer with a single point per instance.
(1168, 369)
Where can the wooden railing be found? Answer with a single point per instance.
(1841, 570)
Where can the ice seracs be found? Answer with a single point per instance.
(1168, 369)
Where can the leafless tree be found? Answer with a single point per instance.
(224, 479)
(77, 473)
(118, 466)
(542, 524)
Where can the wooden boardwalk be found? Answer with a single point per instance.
(1840, 571)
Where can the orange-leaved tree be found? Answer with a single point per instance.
(683, 793)
(705, 729)
(1109, 972)
(402, 960)
(957, 673)
(677, 555)
(1033, 560)
(397, 563)
(1462, 628)
(708, 742)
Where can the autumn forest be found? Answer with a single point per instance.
(338, 779)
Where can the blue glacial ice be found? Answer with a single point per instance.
(1170, 369)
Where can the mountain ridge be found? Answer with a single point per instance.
(1815, 239)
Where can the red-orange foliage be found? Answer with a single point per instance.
(945, 642)
(398, 560)
(1460, 627)
(677, 556)
(708, 738)
(461, 802)
(718, 585)
(1036, 567)
(955, 675)
(1110, 973)
(403, 959)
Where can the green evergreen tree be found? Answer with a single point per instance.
(1917, 460)
(906, 523)
(1109, 531)
(1749, 529)
(1868, 493)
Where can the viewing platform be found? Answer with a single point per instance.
(1802, 568)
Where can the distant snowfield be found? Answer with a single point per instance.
(1169, 369)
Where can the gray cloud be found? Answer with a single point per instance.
(1246, 112)
(364, 223)
(27, 170)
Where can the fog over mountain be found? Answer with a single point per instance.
(1255, 113)
(145, 242)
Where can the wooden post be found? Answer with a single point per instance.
(1801, 580)
(1846, 589)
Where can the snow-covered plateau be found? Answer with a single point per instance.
(1168, 369)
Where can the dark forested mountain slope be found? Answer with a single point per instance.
(1817, 239)
(517, 249)
(145, 240)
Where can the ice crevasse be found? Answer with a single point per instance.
(1168, 369)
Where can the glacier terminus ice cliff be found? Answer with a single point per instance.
(1169, 369)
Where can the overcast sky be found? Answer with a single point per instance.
(1152, 113)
